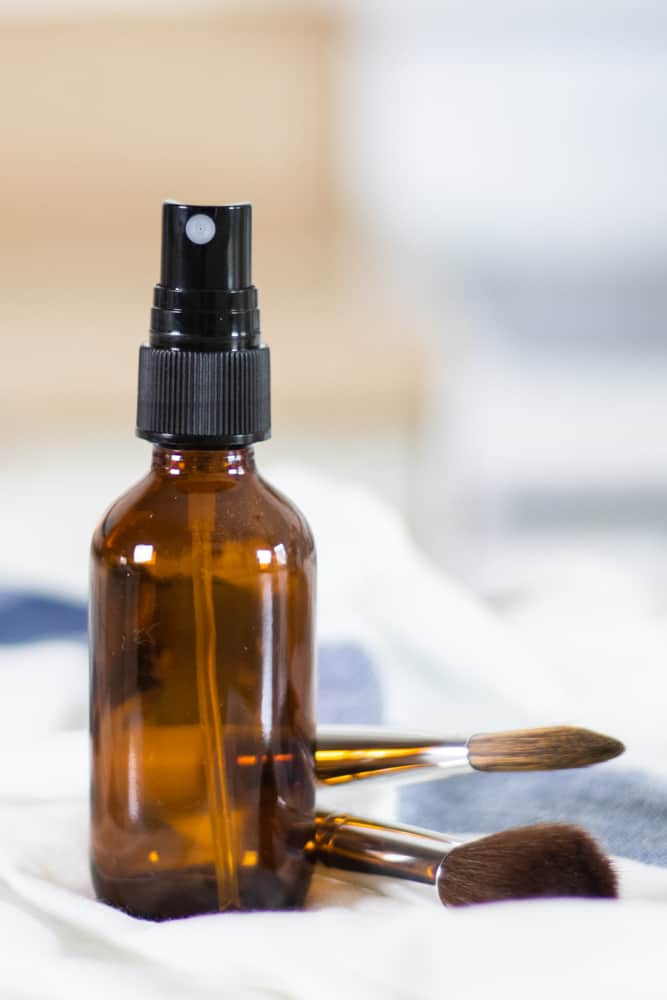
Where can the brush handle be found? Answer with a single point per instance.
(361, 845)
(353, 753)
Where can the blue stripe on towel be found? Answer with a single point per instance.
(625, 810)
(28, 617)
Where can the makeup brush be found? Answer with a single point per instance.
(544, 860)
(169, 762)
(352, 753)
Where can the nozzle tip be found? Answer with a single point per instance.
(206, 247)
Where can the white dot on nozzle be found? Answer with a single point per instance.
(200, 229)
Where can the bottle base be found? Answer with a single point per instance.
(187, 893)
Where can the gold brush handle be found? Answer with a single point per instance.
(352, 753)
(361, 845)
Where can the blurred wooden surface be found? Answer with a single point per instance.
(105, 117)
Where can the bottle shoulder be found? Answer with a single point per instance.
(131, 510)
(162, 514)
(288, 511)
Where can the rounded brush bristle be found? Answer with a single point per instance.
(545, 860)
(550, 749)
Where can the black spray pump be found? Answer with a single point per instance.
(204, 376)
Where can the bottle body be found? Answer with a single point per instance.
(202, 652)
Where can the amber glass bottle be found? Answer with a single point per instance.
(201, 615)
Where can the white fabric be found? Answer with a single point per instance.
(446, 661)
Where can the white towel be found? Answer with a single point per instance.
(445, 661)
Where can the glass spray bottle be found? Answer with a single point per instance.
(201, 614)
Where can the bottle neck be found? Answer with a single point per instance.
(232, 463)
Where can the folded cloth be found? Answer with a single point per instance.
(411, 647)
(366, 939)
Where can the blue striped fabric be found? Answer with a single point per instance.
(626, 811)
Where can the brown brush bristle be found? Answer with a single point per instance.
(548, 859)
(548, 749)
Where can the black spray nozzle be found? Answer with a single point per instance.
(206, 247)
(205, 299)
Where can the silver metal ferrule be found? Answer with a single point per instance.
(360, 845)
(358, 753)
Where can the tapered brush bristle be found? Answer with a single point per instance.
(546, 749)
(549, 859)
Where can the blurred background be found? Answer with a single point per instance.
(460, 245)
